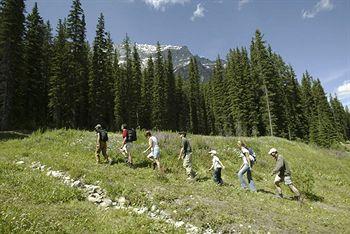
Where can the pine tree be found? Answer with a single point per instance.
(159, 94)
(110, 81)
(58, 84)
(99, 80)
(135, 96)
(11, 62)
(171, 98)
(338, 118)
(308, 107)
(326, 135)
(118, 82)
(147, 95)
(34, 86)
(194, 96)
(182, 111)
(78, 66)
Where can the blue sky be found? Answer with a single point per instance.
(311, 35)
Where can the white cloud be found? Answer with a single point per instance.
(199, 12)
(322, 5)
(344, 89)
(162, 4)
(241, 3)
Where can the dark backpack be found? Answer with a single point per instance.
(252, 153)
(132, 135)
(103, 135)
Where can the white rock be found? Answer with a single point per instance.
(49, 173)
(76, 184)
(179, 224)
(19, 163)
(95, 197)
(122, 201)
(56, 174)
(153, 208)
(42, 168)
(106, 202)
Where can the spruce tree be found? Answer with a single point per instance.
(308, 107)
(182, 111)
(159, 94)
(34, 87)
(135, 89)
(194, 97)
(11, 62)
(118, 82)
(171, 96)
(338, 118)
(147, 95)
(58, 84)
(78, 66)
(99, 80)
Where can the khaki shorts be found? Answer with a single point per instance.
(127, 147)
(286, 179)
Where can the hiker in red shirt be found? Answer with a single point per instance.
(127, 145)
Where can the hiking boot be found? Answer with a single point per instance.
(154, 165)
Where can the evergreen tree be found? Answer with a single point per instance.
(34, 87)
(338, 118)
(147, 95)
(135, 89)
(308, 107)
(78, 66)
(159, 94)
(263, 70)
(11, 62)
(118, 82)
(194, 97)
(110, 81)
(326, 135)
(58, 85)
(171, 93)
(99, 80)
(182, 111)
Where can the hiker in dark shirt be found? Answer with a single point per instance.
(186, 155)
(101, 143)
(283, 174)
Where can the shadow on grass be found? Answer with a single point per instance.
(265, 191)
(203, 178)
(314, 197)
(142, 164)
(11, 135)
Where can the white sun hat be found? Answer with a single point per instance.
(272, 150)
(213, 152)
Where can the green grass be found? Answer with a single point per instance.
(29, 200)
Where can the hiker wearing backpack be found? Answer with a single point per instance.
(283, 174)
(246, 167)
(217, 166)
(101, 143)
(129, 135)
(186, 155)
(154, 155)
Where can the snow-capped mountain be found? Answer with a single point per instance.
(181, 58)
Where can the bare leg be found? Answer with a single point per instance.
(129, 158)
(294, 190)
(278, 188)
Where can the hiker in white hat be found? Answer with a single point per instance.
(283, 174)
(217, 166)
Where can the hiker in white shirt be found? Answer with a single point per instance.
(217, 166)
(153, 146)
(246, 167)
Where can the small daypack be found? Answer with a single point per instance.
(132, 135)
(252, 154)
(103, 136)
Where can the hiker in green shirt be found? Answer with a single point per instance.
(283, 174)
(186, 155)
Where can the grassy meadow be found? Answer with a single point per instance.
(30, 201)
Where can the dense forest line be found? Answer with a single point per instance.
(59, 80)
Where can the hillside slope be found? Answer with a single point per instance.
(29, 200)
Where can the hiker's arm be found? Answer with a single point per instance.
(182, 149)
(222, 164)
(211, 167)
(149, 145)
(246, 155)
(279, 165)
